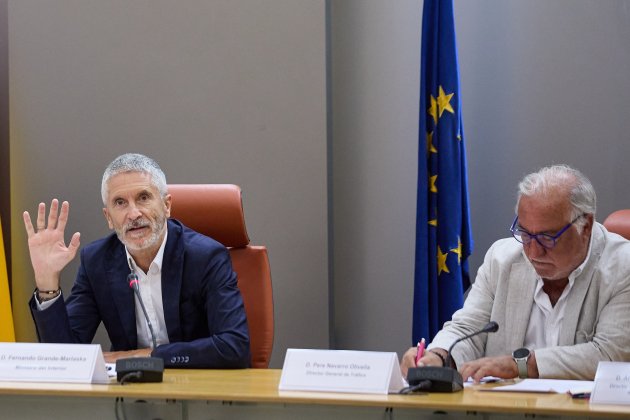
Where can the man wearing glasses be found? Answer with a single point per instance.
(559, 289)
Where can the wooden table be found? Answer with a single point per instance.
(253, 393)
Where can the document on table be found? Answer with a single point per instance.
(546, 385)
(485, 380)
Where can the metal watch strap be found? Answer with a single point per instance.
(521, 364)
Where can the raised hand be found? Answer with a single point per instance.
(49, 253)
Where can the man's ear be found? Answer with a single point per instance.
(588, 226)
(167, 205)
(109, 219)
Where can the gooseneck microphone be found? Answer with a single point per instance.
(132, 279)
(140, 369)
(442, 378)
(490, 327)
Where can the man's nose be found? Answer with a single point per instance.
(133, 212)
(534, 248)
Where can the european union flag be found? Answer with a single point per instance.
(443, 236)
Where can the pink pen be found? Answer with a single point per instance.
(420, 353)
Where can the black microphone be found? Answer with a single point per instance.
(490, 327)
(140, 369)
(132, 279)
(442, 378)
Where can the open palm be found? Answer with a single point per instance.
(49, 253)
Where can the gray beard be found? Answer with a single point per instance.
(156, 229)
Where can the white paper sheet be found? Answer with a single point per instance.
(546, 385)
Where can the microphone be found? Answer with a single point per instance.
(490, 327)
(443, 378)
(140, 369)
(132, 279)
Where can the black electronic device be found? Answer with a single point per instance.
(139, 369)
(435, 379)
(443, 378)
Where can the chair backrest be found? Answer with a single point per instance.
(619, 222)
(216, 210)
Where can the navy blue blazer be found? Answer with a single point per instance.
(203, 309)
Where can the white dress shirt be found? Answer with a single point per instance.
(150, 286)
(545, 321)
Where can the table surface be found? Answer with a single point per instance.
(261, 385)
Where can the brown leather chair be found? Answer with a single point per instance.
(619, 222)
(216, 210)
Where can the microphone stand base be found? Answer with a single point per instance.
(139, 369)
(443, 379)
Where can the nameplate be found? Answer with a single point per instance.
(612, 383)
(39, 362)
(341, 371)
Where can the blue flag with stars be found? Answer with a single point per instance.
(443, 236)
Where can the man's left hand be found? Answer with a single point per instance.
(498, 366)
(112, 356)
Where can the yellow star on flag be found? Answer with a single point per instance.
(430, 147)
(441, 260)
(432, 186)
(433, 222)
(433, 110)
(444, 102)
(458, 251)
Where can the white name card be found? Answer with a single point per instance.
(612, 383)
(341, 371)
(40, 362)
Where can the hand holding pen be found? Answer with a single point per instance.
(420, 350)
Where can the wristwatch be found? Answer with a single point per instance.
(520, 357)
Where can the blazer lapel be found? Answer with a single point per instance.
(582, 283)
(519, 302)
(122, 294)
(172, 273)
(573, 308)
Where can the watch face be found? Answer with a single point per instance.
(520, 353)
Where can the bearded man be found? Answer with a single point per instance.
(185, 279)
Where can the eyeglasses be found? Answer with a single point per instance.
(545, 240)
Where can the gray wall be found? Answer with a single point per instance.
(375, 83)
(236, 91)
(216, 91)
(542, 82)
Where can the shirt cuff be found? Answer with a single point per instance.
(44, 305)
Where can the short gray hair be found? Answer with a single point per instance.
(562, 177)
(134, 162)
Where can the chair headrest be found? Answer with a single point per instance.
(619, 222)
(215, 210)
